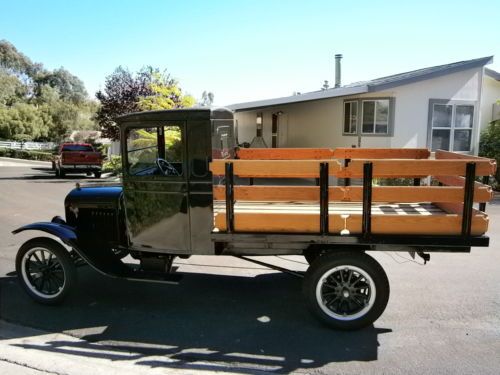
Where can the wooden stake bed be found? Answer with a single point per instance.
(398, 210)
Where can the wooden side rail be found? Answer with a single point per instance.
(384, 224)
(284, 153)
(382, 168)
(274, 168)
(415, 168)
(381, 153)
(441, 154)
(407, 194)
(327, 153)
(456, 181)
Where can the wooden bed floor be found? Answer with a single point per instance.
(335, 208)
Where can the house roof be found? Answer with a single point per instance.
(492, 73)
(377, 84)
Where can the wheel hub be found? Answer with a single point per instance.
(42, 272)
(346, 292)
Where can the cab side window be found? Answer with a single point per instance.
(155, 151)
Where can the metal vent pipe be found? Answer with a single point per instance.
(338, 57)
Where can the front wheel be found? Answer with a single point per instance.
(347, 291)
(45, 270)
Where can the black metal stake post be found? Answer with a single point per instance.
(486, 181)
(323, 198)
(470, 175)
(367, 199)
(416, 182)
(229, 197)
(347, 181)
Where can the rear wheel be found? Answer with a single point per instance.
(97, 174)
(45, 270)
(347, 291)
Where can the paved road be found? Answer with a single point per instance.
(442, 318)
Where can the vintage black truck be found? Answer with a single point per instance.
(188, 190)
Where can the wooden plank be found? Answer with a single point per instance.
(441, 154)
(284, 153)
(353, 193)
(457, 208)
(270, 193)
(275, 168)
(410, 194)
(383, 224)
(395, 168)
(381, 153)
(459, 181)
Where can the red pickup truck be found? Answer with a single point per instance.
(77, 158)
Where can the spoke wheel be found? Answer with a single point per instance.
(346, 290)
(45, 270)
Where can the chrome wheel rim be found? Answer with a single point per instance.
(43, 272)
(345, 292)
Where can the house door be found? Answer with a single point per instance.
(279, 130)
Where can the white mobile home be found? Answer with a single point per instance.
(443, 107)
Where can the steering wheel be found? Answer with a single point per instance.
(166, 168)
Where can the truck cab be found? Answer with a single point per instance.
(167, 184)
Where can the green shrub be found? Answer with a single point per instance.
(113, 165)
(26, 154)
(489, 145)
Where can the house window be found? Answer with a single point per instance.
(376, 117)
(350, 117)
(451, 124)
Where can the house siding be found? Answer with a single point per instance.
(320, 123)
(490, 95)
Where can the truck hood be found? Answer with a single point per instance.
(92, 196)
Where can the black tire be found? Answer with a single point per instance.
(97, 174)
(62, 173)
(58, 271)
(344, 304)
(58, 173)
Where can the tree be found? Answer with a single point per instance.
(69, 87)
(126, 92)
(11, 89)
(40, 104)
(22, 122)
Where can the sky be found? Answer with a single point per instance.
(250, 50)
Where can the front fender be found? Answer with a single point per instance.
(66, 233)
(94, 256)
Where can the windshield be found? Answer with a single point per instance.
(77, 148)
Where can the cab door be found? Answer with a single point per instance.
(155, 187)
